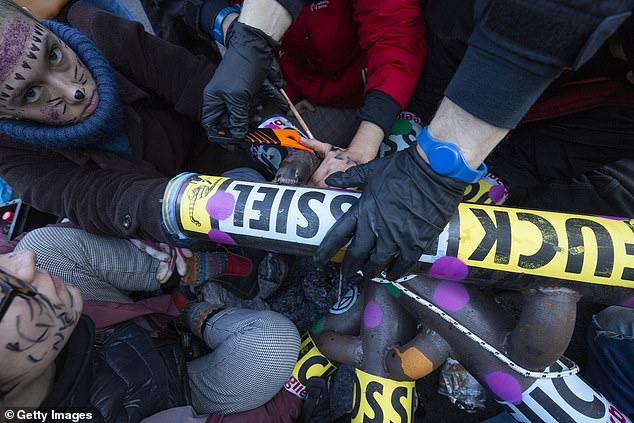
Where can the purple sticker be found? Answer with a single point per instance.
(610, 217)
(13, 43)
(451, 296)
(221, 237)
(497, 194)
(450, 268)
(372, 315)
(220, 205)
(505, 387)
(629, 302)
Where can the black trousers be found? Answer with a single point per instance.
(581, 163)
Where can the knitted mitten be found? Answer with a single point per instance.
(202, 267)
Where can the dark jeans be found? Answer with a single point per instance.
(610, 367)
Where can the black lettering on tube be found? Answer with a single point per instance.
(499, 235)
(312, 227)
(550, 241)
(576, 247)
(241, 202)
(264, 207)
(281, 224)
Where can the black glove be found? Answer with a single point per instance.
(269, 93)
(249, 60)
(404, 206)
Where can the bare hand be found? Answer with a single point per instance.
(335, 159)
(170, 257)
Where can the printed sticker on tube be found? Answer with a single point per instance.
(582, 248)
(378, 399)
(292, 215)
(568, 399)
(311, 363)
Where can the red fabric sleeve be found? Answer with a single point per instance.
(393, 34)
(283, 408)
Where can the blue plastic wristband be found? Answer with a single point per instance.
(220, 17)
(446, 159)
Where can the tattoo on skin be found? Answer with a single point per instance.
(344, 157)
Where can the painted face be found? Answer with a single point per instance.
(34, 329)
(41, 78)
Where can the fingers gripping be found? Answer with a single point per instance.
(356, 176)
(337, 236)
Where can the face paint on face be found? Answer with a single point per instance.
(44, 81)
(13, 42)
(34, 329)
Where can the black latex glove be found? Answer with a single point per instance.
(404, 206)
(248, 62)
(269, 93)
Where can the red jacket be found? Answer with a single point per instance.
(333, 44)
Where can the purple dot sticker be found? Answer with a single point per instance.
(497, 194)
(451, 296)
(505, 387)
(610, 217)
(372, 314)
(220, 205)
(629, 302)
(449, 268)
(221, 237)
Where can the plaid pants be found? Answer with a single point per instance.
(254, 351)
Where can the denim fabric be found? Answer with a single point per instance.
(244, 174)
(611, 359)
(503, 417)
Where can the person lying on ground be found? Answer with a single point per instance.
(56, 359)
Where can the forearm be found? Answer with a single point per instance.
(475, 137)
(267, 15)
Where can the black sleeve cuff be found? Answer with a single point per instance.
(208, 13)
(380, 109)
(519, 47)
(497, 91)
(200, 15)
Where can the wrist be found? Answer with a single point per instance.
(268, 16)
(381, 109)
(222, 21)
(474, 137)
(226, 23)
(366, 142)
(446, 158)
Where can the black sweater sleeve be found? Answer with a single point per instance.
(519, 47)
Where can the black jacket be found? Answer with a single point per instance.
(121, 375)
